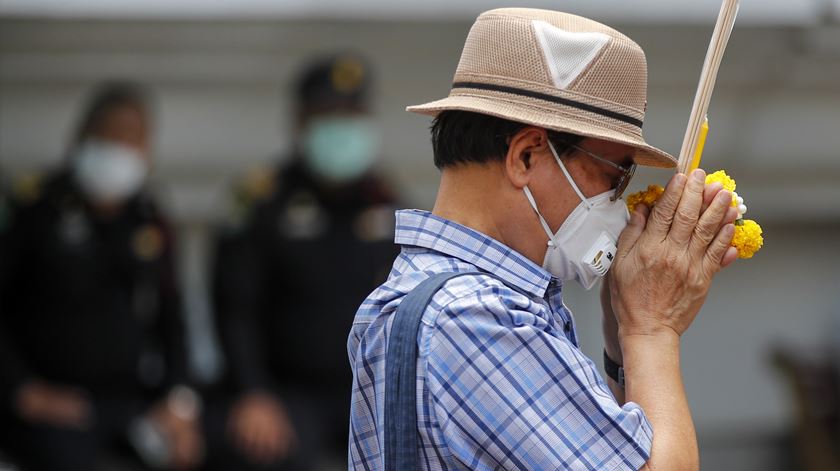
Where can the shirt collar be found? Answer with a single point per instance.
(424, 229)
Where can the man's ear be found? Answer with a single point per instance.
(521, 159)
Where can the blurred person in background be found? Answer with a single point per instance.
(6, 213)
(91, 339)
(5, 207)
(307, 242)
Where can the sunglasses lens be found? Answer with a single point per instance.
(624, 182)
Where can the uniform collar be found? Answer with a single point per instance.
(424, 229)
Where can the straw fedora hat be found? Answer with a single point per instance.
(557, 71)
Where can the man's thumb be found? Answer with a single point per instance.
(634, 229)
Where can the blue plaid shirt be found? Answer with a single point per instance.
(501, 382)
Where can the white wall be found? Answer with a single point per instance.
(773, 12)
(220, 90)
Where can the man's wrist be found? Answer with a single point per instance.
(649, 349)
(663, 336)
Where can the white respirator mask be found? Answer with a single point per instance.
(108, 171)
(584, 247)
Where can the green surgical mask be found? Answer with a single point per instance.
(340, 148)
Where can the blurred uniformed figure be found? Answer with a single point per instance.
(307, 241)
(91, 340)
(7, 213)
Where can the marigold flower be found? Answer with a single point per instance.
(721, 177)
(728, 184)
(747, 238)
(646, 197)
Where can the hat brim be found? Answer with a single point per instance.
(534, 115)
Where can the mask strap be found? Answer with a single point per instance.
(542, 220)
(568, 176)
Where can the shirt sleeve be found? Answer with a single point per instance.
(510, 392)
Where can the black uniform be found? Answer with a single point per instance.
(6, 217)
(289, 276)
(90, 303)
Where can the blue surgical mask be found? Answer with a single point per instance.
(340, 148)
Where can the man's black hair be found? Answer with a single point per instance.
(104, 99)
(460, 137)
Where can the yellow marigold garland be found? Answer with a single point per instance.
(721, 177)
(646, 197)
(747, 239)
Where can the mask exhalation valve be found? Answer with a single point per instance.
(600, 256)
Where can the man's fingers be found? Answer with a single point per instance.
(688, 210)
(634, 229)
(274, 441)
(255, 445)
(288, 436)
(267, 449)
(187, 448)
(709, 224)
(713, 259)
(709, 194)
(249, 440)
(730, 256)
(662, 215)
(731, 216)
(71, 409)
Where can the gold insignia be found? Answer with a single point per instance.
(27, 188)
(375, 224)
(303, 217)
(347, 75)
(259, 183)
(148, 242)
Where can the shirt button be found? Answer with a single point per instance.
(567, 327)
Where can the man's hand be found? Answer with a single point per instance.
(666, 259)
(609, 323)
(183, 434)
(261, 428)
(661, 275)
(39, 402)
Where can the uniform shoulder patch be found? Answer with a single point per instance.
(257, 186)
(28, 188)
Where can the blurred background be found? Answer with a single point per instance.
(760, 363)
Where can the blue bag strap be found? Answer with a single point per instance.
(401, 372)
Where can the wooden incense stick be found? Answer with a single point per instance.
(720, 37)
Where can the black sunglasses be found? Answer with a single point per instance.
(623, 180)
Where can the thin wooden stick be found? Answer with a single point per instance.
(720, 37)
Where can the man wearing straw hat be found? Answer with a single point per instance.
(467, 358)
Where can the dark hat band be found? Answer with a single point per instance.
(553, 99)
